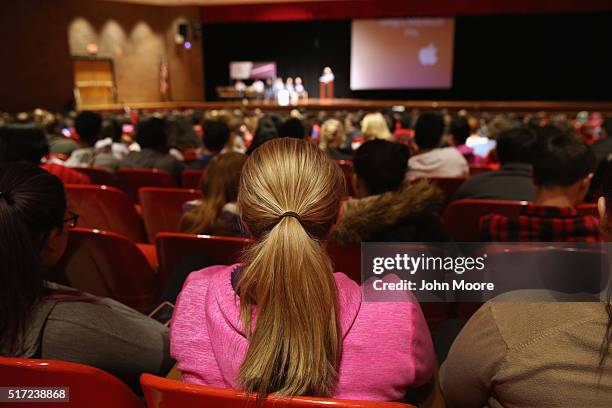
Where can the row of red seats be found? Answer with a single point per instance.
(94, 388)
(131, 180)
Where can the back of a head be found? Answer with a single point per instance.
(219, 186)
(265, 131)
(88, 125)
(516, 145)
(460, 129)
(374, 126)
(293, 128)
(289, 197)
(216, 135)
(332, 133)
(22, 142)
(381, 165)
(429, 130)
(32, 204)
(560, 159)
(151, 134)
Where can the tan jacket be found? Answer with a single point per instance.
(530, 354)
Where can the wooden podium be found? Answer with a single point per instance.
(326, 90)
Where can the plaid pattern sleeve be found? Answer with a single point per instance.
(541, 224)
(66, 174)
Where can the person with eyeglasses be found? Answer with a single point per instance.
(41, 319)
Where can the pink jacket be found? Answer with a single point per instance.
(386, 346)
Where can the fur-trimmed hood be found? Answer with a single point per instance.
(363, 219)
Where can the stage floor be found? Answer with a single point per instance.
(363, 104)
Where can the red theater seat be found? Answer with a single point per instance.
(190, 178)
(98, 175)
(106, 264)
(461, 217)
(105, 208)
(173, 248)
(89, 386)
(164, 393)
(162, 208)
(130, 180)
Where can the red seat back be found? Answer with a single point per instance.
(190, 178)
(347, 169)
(130, 180)
(173, 248)
(105, 208)
(89, 386)
(164, 393)
(106, 264)
(461, 217)
(162, 208)
(98, 175)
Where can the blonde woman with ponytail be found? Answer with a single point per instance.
(282, 322)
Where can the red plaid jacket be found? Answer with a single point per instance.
(541, 224)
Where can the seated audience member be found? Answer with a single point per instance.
(603, 147)
(152, 138)
(216, 213)
(266, 131)
(28, 143)
(460, 131)
(110, 141)
(216, 136)
(40, 319)
(58, 143)
(293, 128)
(386, 210)
(534, 354)
(296, 327)
(404, 133)
(374, 126)
(562, 171)
(88, 125)
(332, 138)
(514, 179)
(432, 160)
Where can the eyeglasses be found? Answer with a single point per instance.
(72, 219)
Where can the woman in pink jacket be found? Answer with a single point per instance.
(282, 322)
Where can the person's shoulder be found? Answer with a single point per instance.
(522, 322)
(196, 285)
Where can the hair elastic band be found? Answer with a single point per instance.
(290, 214)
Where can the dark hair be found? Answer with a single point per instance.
(607, 340)
(406, 120)
(460, 129)
(292, 127)
(22, 143)
(265, 131)
(151, 134)
(428, 130)
(88, 125)
(516, 144)
(381, 165)
(560, 158)
(112, 128)
(32, 204)
(216, 135)
(607, 125)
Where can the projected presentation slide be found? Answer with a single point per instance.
(405, 53)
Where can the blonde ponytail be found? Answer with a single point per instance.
(288, 199)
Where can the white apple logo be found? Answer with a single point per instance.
(428, 55)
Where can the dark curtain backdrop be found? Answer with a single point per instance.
(505, 57)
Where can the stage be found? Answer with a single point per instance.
(362, 104)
